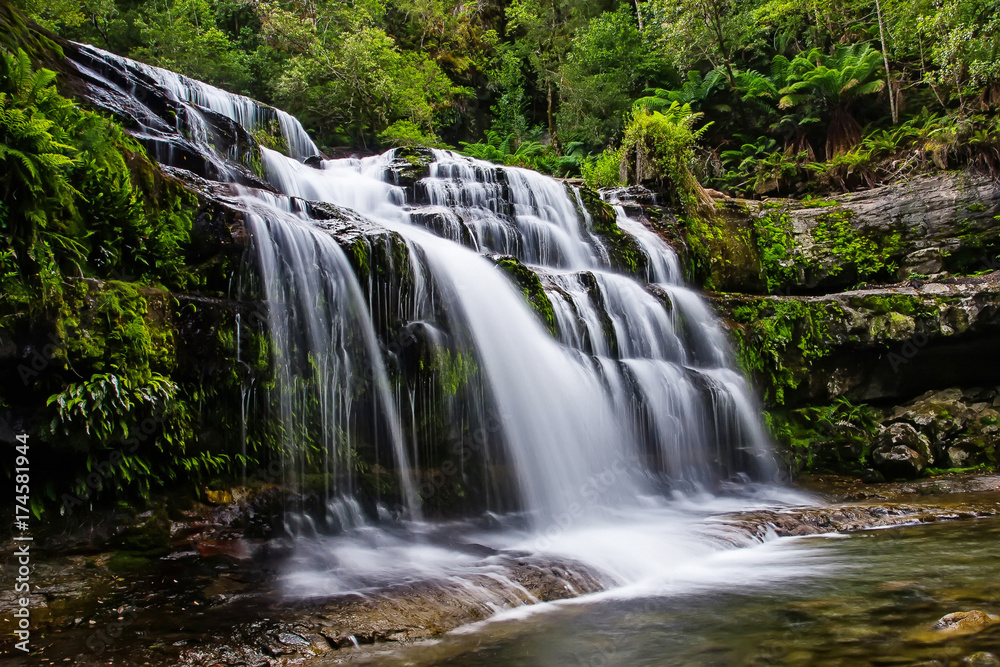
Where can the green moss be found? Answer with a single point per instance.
(419, 163)
(623, 251)
(910, 305)
(779, 263)
(270, 136)
(454, 370)
(778, 341)
(872, 256)
(149, 539)
(360, 256)
(112, 325)
(531, 287)
(809, 202)
(124, 562)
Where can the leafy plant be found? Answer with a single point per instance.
(835, 81)
(535, 155)
(659, 147)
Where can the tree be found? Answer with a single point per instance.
(834, 83)
(690, 32)
(182, 36)
(965, 39)
(542, 32)
(606, 67)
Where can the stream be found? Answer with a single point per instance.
(868, 598)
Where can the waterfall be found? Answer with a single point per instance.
(637, 378)
(627, 390)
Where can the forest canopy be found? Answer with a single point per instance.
(842, 92)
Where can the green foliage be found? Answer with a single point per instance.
(406, 133)
(809, 79)
(964, 41)
(870, 257)
(659, 147)
(834, 438)
(35, 162)
(603, 71)
(181, 35)
(511, 151)
(133, 431)
(602, 171)
(361, 84)
(73, 205)
(761, 167)
(779, 340)
(776, 245)
(832, 83)
(270, 136)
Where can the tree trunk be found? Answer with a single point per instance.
(885, 59)
(551, 119)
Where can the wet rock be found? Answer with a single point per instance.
(964, 453)
(291, 639)
(870, 476)
(981, 659)
(149, 536)
(964, 622)
(924, 262)
(221, 497)
(874, 344)
(901, 451)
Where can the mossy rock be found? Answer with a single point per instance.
(148, 537)
(723, 250)
(125, 562)
(531, 286)
(624, 252)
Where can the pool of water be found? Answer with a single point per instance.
(869, 598)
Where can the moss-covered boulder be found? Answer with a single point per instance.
(531, 286)
(624, 253)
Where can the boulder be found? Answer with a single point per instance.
(964, 622)
(981, 659)
(901, 451)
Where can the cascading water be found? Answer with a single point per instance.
(653, 350)
(580, 409)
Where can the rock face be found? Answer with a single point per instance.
(875, 344)
(925, 227)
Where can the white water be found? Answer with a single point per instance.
(612, 433)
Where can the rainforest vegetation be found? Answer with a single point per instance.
(760, 96)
